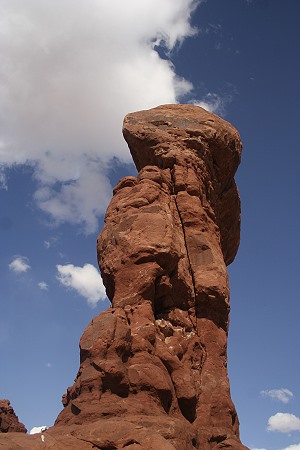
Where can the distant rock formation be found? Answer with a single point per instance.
(153, 368)
(9, 422)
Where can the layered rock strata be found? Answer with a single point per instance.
(153, 368)
(9, 421)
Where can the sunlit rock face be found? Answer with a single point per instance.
(153, 368)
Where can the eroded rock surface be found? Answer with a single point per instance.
(153, 368)
(9, 421)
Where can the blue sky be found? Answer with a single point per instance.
(69, 75)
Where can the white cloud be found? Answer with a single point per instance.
(283, 395)
(212, 102)
(3, 181)
(292, 447)
(43, 286)
(69, 73)
(20, 264)
(47, 244)
(85, 280)
(258, 448)
(36, 430)
(284, 422)
(51, 242)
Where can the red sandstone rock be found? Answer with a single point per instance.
(9, 422)
(158, 356)
(153, 368)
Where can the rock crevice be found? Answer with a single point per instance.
(186, 247)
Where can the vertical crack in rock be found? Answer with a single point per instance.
(153, 367)
(186, 247)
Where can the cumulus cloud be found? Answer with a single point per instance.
(43, 286)
(284, 423)
(292, 447)
(36, 430)
(283, 395)
(86, 281)
(69, 73)
(258, 448)
(20, 264)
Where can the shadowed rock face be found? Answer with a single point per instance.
(9, 422)
(153, 368)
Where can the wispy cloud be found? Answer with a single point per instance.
(20, 264)
(284, 423)
(86, 281)
(43, 286)
(47, 244)
(85, 64)
(212, 102)
(50, 242)
(3, 181)
(283, 395)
